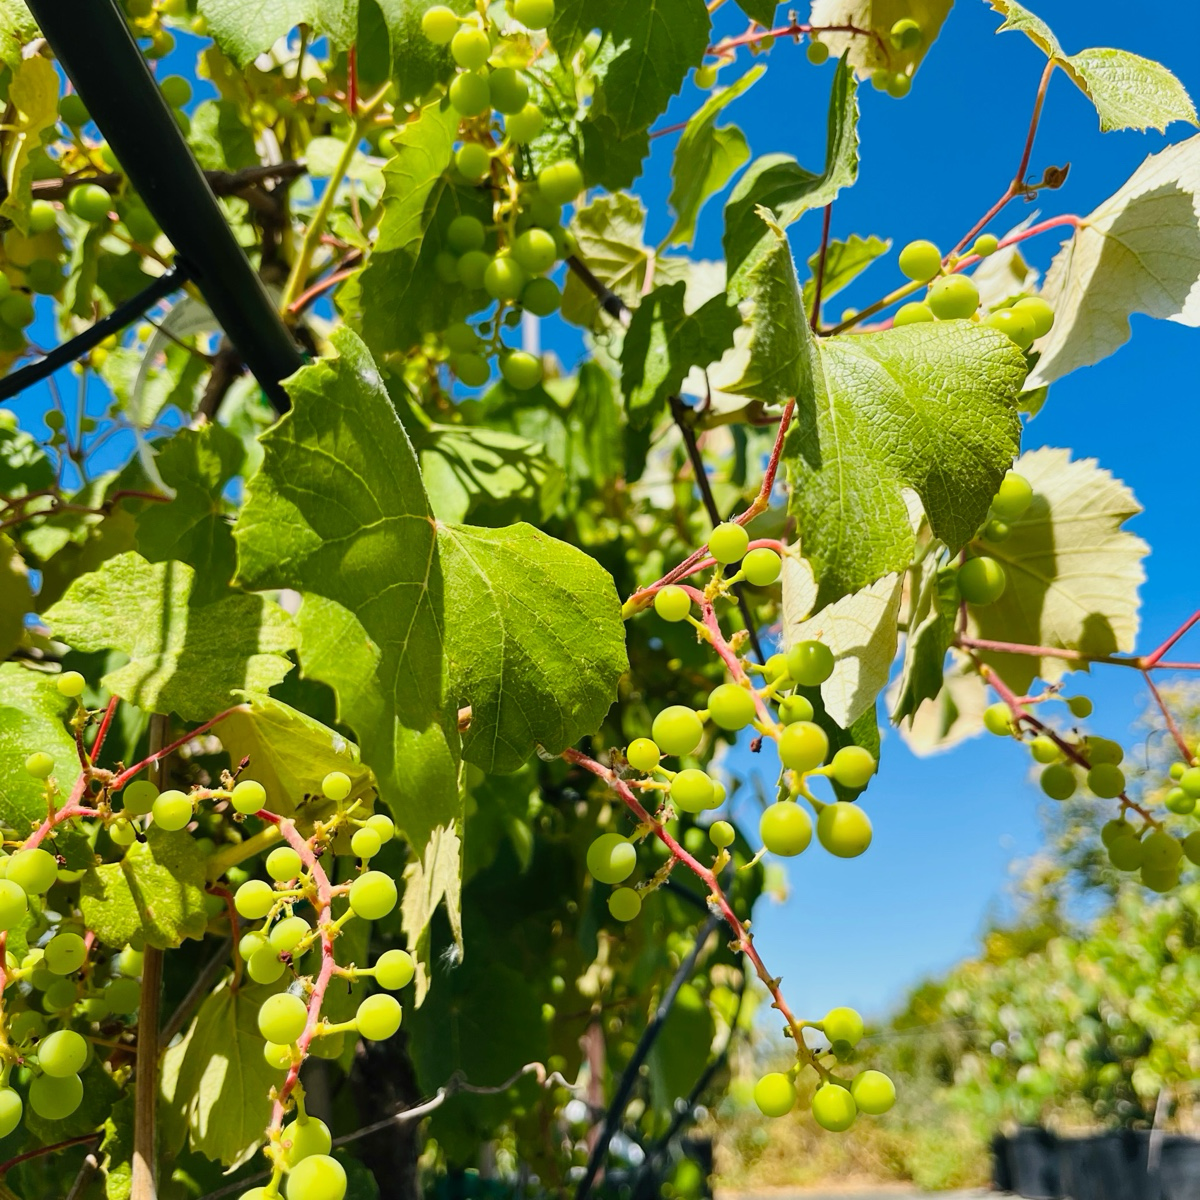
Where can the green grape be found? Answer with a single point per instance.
(642, 754)
(534, 14)
(1015, 326)
(692, 790)
(288, 934)
(138, 798)
(283, 863)
(986, 244)
(803, 746)
(504, 278)
(624, 904)
(172, 811)
(1118, 827)
(1039, 312)
(460, 337)
(373, 895)
(465, 233)
(16, 311)
(1189, 780)
(521, 370)
(1179, 802)
(844, 829)
(1159, 881)
(761, 566)
(906, 34)
(305, 1137)
(34, 870)
(254, 899)
(833, 1108)
(70, 684)
(1176, 770)
(775, 667)
(912, 313)
(439, 24)
(981, 580)
(383, 825)
(730, 706)
(65, 953)
(264, 966)
(785, 828)
(706, 76)
(997, 719)
(329, 1046)
(1106, 781)
(1044, 749)
(728, 542)
(1125, 853)
(810, 663)
(795, 708)
(1191, 847)
(62, 1054)
(161, 44)
(677, 730)
(472, 369)
(278, 1058)
(1014, 496)
(73, 111)
(470, 95)
(60, 996)
(561, 182)
(176, 90)
(130, 962)
(247, 797)
(817, 52)
(11, 1109)
(874, 1093)
(318, 1177)
(26, 1025)
(953, 296)
(721, 834)
(90, 202)
(365, 843)
(473, 162)
(522, 127)
(535, 250)
(611, 858)
(394, 969)
(53, 1098)
(470, 47)
(39, 765)
(541, 297)
(1160, 851)
(920, 261)
(378, 1017)
(843, 1024)
(672, 603)
(472, 267)
(543, 212)
(14, 904)
(250, 944)
(8, 420)
(123, 995)
(1080, 706)
(282, 1018)
(336, 786)
(880, 79)
(775, 1094)
(853, 766)
(1058, 781)
(996, 531)
(510, 92)
(898, 85)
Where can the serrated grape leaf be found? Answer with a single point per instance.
(32, 717)
(17, 27)
(185, 656)
(245, 28)
(664, 342)
(932, 612)
(608, 160)
(1129, 92)
(956, 713)
(930, 408)
(24, 467)
(844, 262)
(779, 184)
(866, 53)
(535, 642)
(16, 597)
(656, 42)
(220, 137)
(610, 233)
(433, 878)
(156, 891)
(762, 11)
(117, 1148)
(706, 157)
(1139, 252)
(1073, 571)
(33, 95)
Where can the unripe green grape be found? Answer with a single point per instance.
(70, 684)
(439, 24)
(1125, 853)
(775, 1094)
(329, 1046)
(46, 278)
(986, 244)
(282, 1018)
(761, 566)
(283, 863)
(728, 542)
(1160, 881)
(880, 78)
(1044, 749)
(465, 233)
(73, 111)
(817, 52)
(692, 790)
(1118, 827)
(775, 667)
(26, 1025)
(810, 662)
(90, 202)
(304, 1138)
(123, 995)
(1191, 847)
(336, 786)
(718, 797)
(1190, 781)
(17, 311)
(521, 370)
(277, 1057)
(534, 14)
(535, 250)
(287, 934)
(795, 708)
(1039, 312)
(920, 260)
(8, 419)
(11, 1110)
(853, 766)
(383, 825)
(176, 90)
(378, 1017)
(611, 858)
(248, 796)
(469, 94)
(522, 127)
(446, 266)
(1179, 802)
(1015, 326)
(1080, 706)
(504, 278)
(130, 963)
(1058, 781)
(624, 904)
(560, 182)
(365, 843)
(997, 719)
(1160, 850)
(912, 313)
(39, 765)
(953, 296)
(730, 706)
(541, 297)
(460, 337)
(254, 899)
(472, 161)
(65, 953)
(62, 1054)
(843, 1024)
(672, 603)
(265, 965)
(844, 829)
(722, 834)
(60, 996)
(138, 798)
(1176, 770)
(833, 1108)
(898, 85)
(677, 730)
(161, 44)
(996, 531)
(373, 895)
(874, 1093)
(706, 76)
(1106, 781)
(906, 34)
(567, 245)
(785, 828)
(250, 944)
(472, 369)
(1013, 497)
(981, 580)
(55, 1099)
(803, 746)
(318, 1177)
(34, 870)
(470, 47)
(394, 969)
(510, 92)
(642, 754)
(172, 811)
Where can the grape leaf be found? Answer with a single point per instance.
(245, 28)
(1073, 571)
(610, 234)
(932, 612)
(433, 878)
(868, 53)
(677, 1055)
(844, 262)
(33, 93)
(31, 718)
(1138, 252)
(416, 64)
(762, 11)
(1129, 92)
(778, 183)
(117, 1148)
(954, 714)
(665, 341)
(706, 157)
(16, 598)
(24, 467)
(156, 891)
(17, 27)
(608, 160)
(535, 642)
(220, 137)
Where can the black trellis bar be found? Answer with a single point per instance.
(124, 314)
(97, 51)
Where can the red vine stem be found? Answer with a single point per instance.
(1170, 720)
(724, 47)
(105, 722)
(120, 780)
(1154, 659)
(5, 1167)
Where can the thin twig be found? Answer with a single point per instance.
(200, 988)
(819, 282)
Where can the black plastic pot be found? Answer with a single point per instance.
(1033, 1164)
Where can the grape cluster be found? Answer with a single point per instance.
(981, 578)
(906, 35)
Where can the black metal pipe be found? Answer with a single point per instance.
(97, 51)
